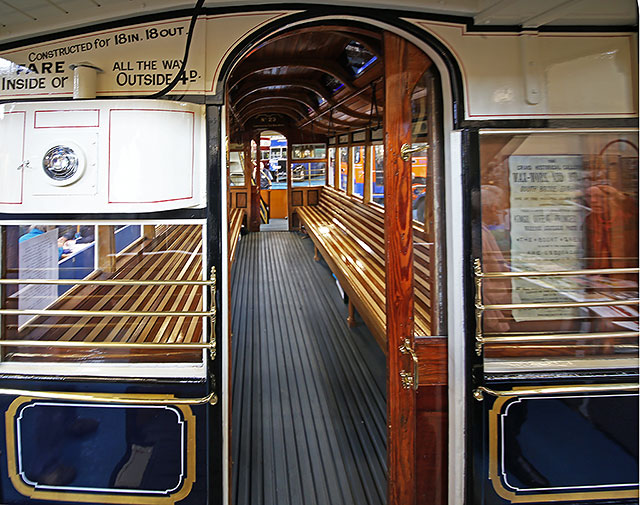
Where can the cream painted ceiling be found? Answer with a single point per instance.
(20, 19)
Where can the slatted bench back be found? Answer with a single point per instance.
(352, 233)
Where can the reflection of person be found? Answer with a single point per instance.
(496, 291)
(34, 231)
(65, 245)
(606, 226)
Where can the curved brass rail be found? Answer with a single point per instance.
(478, 393)
(211, 398)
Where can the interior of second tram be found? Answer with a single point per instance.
(305, 126)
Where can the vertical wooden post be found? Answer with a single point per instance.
(148, 232)
(351, 318)
(253, 204)
(404, 64)
(106, 248)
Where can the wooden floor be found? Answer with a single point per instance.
(309, 407)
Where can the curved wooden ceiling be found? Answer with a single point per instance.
(307, 79)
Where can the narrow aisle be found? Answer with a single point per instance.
(309, 407)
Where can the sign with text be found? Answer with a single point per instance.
(547, 215)
(38, 259)
(138, 60)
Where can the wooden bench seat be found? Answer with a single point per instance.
(236, 217)
(174, 254)
(350, 237)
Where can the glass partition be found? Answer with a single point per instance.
(377, 194)
(331, 174)
(79, 293)
(343, 160)
(560, 241)
(359, 159)
(236, 168)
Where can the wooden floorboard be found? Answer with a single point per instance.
(309, 408)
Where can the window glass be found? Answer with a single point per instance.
(308, 151)
(429, 258)
(111, 253)
(236, 168)
(308, 173)
(358, 158)
(557, 202)
(344, 164)
(378, 174)
(332, 167)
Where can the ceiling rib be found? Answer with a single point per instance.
(552, 14)
(486, 16)
(19, 10)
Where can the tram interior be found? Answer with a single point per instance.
(320, 91)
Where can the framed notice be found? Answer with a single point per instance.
(547, 221)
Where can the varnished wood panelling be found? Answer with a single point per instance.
(297, 198)
(313, 197)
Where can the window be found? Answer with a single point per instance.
(106, 253)
(332, 167)
(378, 174)
(305, 172)
(556, 202)
(358, 160)
(343, 153)
(236, 168)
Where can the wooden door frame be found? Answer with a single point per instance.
(404, 65)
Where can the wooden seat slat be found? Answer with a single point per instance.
(236, 217)
(174, 255)
(352, 235)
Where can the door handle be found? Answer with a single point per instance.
(407, 149)
(409, 381)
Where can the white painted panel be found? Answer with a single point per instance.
(573, 75)
(143, 156)
(151, 156)
(84, 118)
(12, 130)
(603, 82)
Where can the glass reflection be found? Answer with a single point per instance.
(558, 202)
(140, 252)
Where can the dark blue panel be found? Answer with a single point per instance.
(83, 447)
(570, 442)
(126, 236)
(101, 447)
(76, 266)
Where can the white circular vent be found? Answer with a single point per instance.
(63, 164)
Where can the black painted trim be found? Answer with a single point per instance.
(472, 248)
(215, 221)
(114, 216)
(552, 123)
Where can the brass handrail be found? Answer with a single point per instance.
(559, 273)
(106, 345)
(480, 308)
(557, 305)
(105, 313)
(211, 314)
(108, 282)
(211, 398)
(478, 393)
(542, 337)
